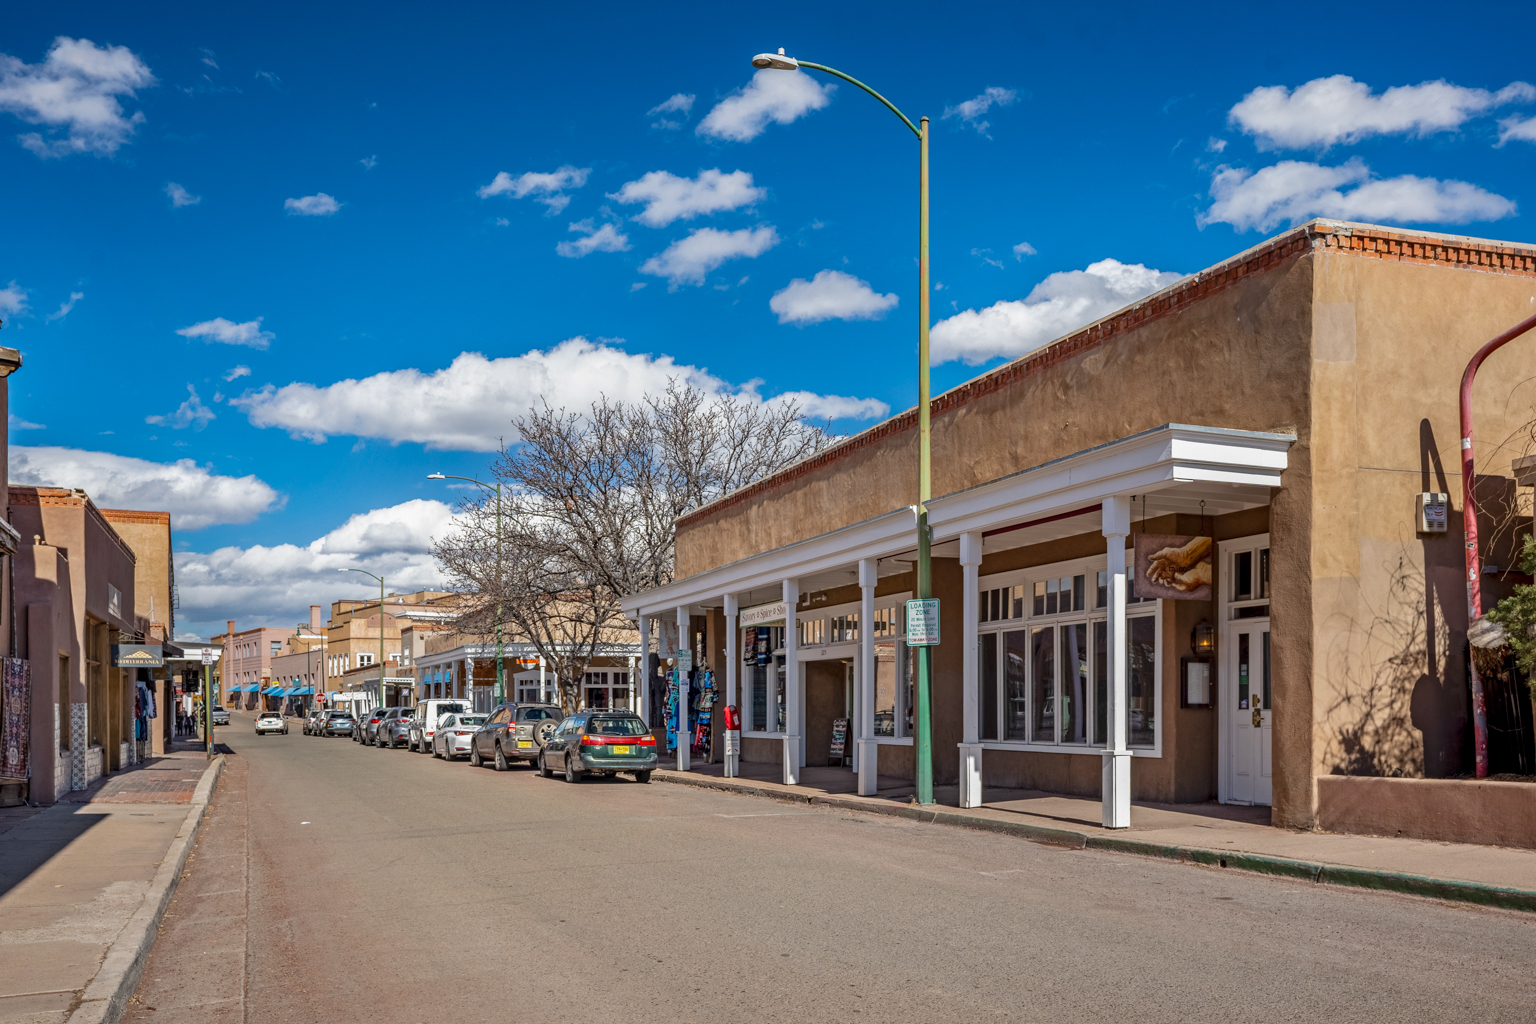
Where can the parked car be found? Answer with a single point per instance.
(424, 721)
(394, 729)
(514, 732)
(220, 715)
(271, 721)
(600, 743)
(454, 734)
(313, 722)
(363, 732)
(337, 723)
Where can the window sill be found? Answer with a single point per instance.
(1056, 748)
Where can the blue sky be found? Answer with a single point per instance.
(431, 203)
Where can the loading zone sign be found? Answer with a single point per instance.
(923, 622)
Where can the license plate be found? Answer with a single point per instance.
(621, 751)
(524, 743)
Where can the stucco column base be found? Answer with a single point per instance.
(791, 760)
(869, 767)
(683, 750)
(1117, 789)
(970, 774)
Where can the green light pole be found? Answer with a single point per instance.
(923, 724)
(501, 694)
(365, 572)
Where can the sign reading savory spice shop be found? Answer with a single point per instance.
(763, 614)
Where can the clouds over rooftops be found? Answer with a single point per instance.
(1337, 109)
(194, 495)
(74, 94)
(317, 205)
(669, 198)
(772, 97)
(548, 188)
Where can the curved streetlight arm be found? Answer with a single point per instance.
(450, 476)
(849, 78)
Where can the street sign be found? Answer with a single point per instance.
(208, 656)
(685, 661)
(923, 622)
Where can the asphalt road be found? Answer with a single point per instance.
(337, 882)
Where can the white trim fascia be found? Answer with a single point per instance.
(1147, 461)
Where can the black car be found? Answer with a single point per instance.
(600, 743)
(514, 732)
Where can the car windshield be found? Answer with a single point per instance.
(472, 719)
(616, 727)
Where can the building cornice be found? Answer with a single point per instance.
(1365, 240)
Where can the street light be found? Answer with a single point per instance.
(298, 631)
(924, 739)
(501, 694)
(365, 572)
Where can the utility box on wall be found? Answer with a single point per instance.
(1432, 510)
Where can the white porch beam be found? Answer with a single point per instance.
(869, 749)
(970, 672)
(1116, 784)
(643, 683)
(684, 735)
(732, 667)
(793, 754)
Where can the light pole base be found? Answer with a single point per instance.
(970, 775)
(869, 767)
(1117, 789)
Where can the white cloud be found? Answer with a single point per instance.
(1337, 109)
(547, 188)
(237, 371)
(191, 413)
(603, 238)
(370, 162)
(1057, 306)
(1021, 250)
(772, 96)
(1215, 145)
(13, 300)
(180, 196)
(317, 205)
(687, 260)
(469, 405)
(836, 407)
(830, 295)
(226, 332)
(74, 94)
(677, 103)
(65, 307)
(1522, 128)
(971, 110)
(276, 584)
(17, 423)
(194, 495)
(668, 198)
(985, 255)
(1295, 191)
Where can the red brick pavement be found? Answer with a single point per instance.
(161, 780)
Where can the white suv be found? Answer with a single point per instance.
(271, 721)
(424, 722)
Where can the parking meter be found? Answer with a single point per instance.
(732, 742)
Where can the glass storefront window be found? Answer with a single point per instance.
(1142, 689)
(893, 689)
(1101, 681)
(1043, 675)
(1015, 692)
(1073, 700)
(987, 659)
(759, 719)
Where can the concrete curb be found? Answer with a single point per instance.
(1285, 867)
(106, 997)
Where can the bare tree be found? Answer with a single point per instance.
(590, 503)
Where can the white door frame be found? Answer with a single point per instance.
(1224, 633)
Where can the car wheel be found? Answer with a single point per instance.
(544, 771)
(501, 759)
(474, 756)
(642, 776)
(570, 774)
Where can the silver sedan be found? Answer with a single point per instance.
(455, 733)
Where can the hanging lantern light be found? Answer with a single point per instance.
(1202, 639)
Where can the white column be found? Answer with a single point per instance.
(794, 756)
(633, 693)
(469, 684)
(869, 750)
(643, 679)
(684, 735)
(1116, 785)
(732, 667)
(543, 692)
(970, 673)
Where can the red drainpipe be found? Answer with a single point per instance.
(1469, 517)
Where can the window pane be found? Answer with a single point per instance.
(1016, 655)
(995, 598)
(1242, 576)
(986, 656)
(1043, 677)
(1074, 683)
(1263, 572)
(759, 722)
(1018, 602)
(1242, 671)
(906, 664)
(1051, 596)
(1100, 682)
(778, 693)
(885, 689)
(1103, 598)
(1039, 597)
(1143, 681)
(1079, 596)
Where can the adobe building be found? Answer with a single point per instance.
(1291, 405)
(246, 663)
(154, 573)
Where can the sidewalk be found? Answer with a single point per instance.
(83, 885)
(1214, 835)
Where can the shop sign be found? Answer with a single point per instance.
(1173, 568)
(839, 739)
(137, 656)
(763, 614)
(732, 742)
(923, 622)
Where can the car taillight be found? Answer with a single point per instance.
(593, 741)
(646, 741)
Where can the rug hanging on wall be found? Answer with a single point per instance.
(15, 719)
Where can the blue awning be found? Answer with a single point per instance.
(303, 691)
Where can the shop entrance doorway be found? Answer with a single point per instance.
(1246, 698)
(828, 697)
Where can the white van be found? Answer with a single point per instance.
(425, 718)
